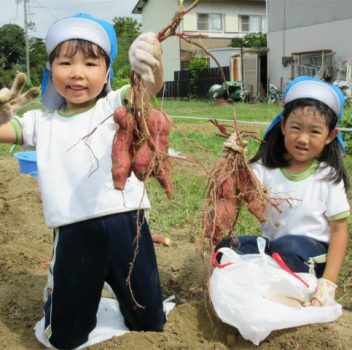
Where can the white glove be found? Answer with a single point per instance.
(324, 294)
(232, 143)
(145, 55)
(12, 100)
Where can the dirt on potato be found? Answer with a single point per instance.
(25, 244)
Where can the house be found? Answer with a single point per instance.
(219, 20)
(308, 38)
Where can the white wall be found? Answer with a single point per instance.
(230, 9)
(156, 15)
(332, 35)
(306, 25)
(223, 56)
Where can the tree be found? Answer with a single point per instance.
(12, 45)
(250, 40)
(127, 29)
(5, 75)
(12, 53)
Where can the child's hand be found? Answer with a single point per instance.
(324, 295)
(145, 56)
(12, 100)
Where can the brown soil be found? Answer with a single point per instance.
(25, 251)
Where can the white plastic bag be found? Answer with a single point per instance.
(255, 295)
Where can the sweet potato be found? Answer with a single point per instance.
(160, 239)
(248, 186)
(223, 201)
(159, 127)
(122, 142)
(231, 187)
(163, 175)
(121, 117)
(225, 213)
(142, 162)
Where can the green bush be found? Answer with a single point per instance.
(195, 67)
(119, 82)
(347, 135)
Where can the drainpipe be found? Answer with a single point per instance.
(283, 40)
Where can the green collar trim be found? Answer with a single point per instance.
(302, 175)
(68, 113)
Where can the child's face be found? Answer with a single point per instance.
(79, 79)
(306, 134)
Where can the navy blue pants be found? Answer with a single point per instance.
(88, 253)
(300, 253)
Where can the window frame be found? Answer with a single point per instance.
(241, 23)
(209, 21)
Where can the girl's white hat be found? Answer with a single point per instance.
(84, 27)
(318, 90)
(310, 87)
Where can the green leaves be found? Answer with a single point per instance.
(196, 65)
(250, 40)
(12, 55)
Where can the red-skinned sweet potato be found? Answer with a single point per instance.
(163, 175)
(142, 162)
(159, 127)
(160, 239)
(247, 186)
(224, 202)
(122, 142)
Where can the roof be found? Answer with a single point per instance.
(139, 7)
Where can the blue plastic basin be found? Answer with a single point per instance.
(27, 161)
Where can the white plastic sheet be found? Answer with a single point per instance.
(110, 323)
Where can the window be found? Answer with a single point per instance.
(251, 24)
(210, 22)
(244, 23)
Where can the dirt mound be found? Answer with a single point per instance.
(25, 252)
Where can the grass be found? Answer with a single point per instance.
(200, 143)
(209, 109)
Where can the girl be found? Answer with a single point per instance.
(300, 165)
(94, 225)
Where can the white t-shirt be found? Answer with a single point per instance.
(74, 175)
(306, 205)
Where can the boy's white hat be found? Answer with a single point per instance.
(80, 26)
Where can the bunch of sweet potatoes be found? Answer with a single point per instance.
(141, 145)
(232, 183)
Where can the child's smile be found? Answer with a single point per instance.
(78, 78)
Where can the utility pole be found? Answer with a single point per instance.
(25, 4)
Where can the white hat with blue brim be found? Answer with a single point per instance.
(81, 26)
(309, 87)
